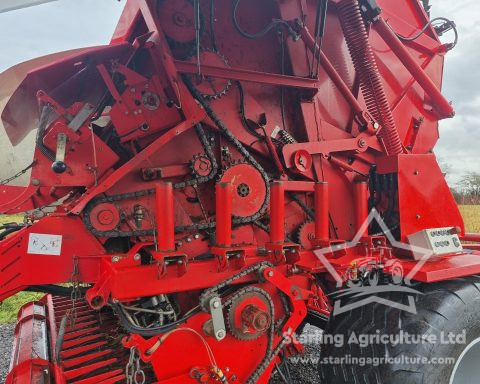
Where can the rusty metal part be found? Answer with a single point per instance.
(248, 316)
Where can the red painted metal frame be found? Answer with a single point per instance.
(335, 187)
(444, 107)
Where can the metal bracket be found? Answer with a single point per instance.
(370, 9)
(59, 166)
(81, 117)
(61, 147)
(219, 329)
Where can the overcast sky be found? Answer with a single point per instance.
(67, 24)
(459, 144)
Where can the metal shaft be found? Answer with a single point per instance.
(360, 196)
(321, 211)
(165, 217)
(224, 198)
(442, 104)
(277, 212)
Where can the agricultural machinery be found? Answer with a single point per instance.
(202, 185)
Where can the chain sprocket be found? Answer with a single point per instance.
(148, 192)
(201, 165)
(306, 233)
(211, 88)
(239, 306)
(249, 190)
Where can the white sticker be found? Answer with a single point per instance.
(42, 244)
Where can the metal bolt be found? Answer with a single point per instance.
(220, 334)
(189, 240)
(137, 257)
(180, 262)
(270, 274)
(196, 236)
(362, 143)
(418, 216)
(115, 259)
(376, 126)
(35, 182)
(216, 304)
(179, 244)
(416, 173)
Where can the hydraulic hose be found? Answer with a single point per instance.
(365, 65)
(147, 332)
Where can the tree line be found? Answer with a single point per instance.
(467, 190)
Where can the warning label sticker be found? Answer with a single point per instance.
(42, 244)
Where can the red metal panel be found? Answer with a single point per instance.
(445, 268)
(424, 198)
(19, 269)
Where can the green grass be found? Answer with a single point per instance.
(9, 307)
(11, 219)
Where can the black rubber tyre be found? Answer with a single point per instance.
(450, 306)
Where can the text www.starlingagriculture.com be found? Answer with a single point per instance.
(372, 361)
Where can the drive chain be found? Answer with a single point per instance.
(192, 182)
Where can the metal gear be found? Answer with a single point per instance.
(201, 165)
(305, 235)
(211, 88)
(248, 316)
(249, 189)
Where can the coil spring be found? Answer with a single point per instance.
(365, 65)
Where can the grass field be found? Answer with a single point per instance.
(471, 215)
(9, 308)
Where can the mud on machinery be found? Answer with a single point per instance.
(197, 162)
